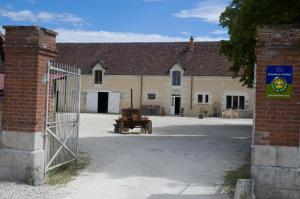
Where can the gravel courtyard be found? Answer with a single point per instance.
(184, 158)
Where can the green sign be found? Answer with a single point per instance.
(279, 80)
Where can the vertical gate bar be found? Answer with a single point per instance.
(74, 84)
(72, 109)
(47, 94)
(63, 127)
(68, 102)
(78, 108)
(60, 98)
(69, 88)
(46, 118)
(69, 84)
(65, 101)
(75, 109)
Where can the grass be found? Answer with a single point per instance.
(64, 174)
(231, 176)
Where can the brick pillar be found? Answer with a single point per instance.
(276, 154)
(27, 52)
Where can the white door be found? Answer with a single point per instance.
(114, 102)
(172, 110)
(92, 102)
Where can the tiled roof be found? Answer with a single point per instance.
(146, 58)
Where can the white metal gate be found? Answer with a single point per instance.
(62, 115)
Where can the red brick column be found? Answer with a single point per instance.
(27, 52)
(276, 155)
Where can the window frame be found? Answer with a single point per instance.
(151, 99)
(151, 93)
(206, 98)
(98, 67)
(176, 82)
(232, 97)
(95, 77)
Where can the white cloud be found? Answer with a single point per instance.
(28, 15)
(219, 32)
(207, 10)
(2, 30)
(83, 36)
(185, 33)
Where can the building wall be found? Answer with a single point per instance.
(161, 85)
(113, 83)
(218, 88)
(276, 159)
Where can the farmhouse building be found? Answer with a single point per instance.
(172, 78)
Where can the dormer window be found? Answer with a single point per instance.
(98, 76)
(176, 78)
(98, 72)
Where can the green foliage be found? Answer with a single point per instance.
(241, 18)
(231, 177)
(64, 174)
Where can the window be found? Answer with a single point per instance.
(176, 78)
(98, 77)
(151, 96)
(235, 102)
(203, 98)
(200, 98)
(206, 99)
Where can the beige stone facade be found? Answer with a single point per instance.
(167, 78)
(216, 87)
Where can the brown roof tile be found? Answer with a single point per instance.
(146, 58)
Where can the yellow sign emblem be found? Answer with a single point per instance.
(279, 84)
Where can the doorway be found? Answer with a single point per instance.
(102, 102)
(177, 105)
(175, 108)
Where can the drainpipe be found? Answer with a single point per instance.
(141, 96)
(192, 89)
(131, 103)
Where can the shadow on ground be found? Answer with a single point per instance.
(171, 196)
(195, 154)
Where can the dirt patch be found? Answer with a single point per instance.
(64, 174)
(231, 176)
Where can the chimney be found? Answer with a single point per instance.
(192, 45)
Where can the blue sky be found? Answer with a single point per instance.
(119, 20)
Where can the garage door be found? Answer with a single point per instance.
(114, 103)
(92, 102)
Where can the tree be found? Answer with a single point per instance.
(241, 18)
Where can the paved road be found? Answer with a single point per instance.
(184, 158)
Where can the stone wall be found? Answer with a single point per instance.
(276, 155)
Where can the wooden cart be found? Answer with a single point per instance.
(132, 118)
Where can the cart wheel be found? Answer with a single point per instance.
(121, 127)
(149, 127)
(116, 130)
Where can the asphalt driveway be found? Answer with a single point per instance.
(184, 158)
